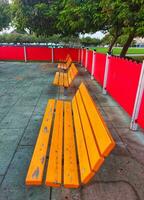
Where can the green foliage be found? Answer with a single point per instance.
(88, 41)
(38, 18)
(4, 15)
(25, 38)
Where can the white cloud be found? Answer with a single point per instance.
(98, 35)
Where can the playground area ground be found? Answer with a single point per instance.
(24, 91)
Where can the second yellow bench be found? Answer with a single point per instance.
(65, 78)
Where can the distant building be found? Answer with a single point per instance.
(139, 41)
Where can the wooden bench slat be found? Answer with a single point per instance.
(75, 70)
(68, 63)
(36, 168)
(70, 161)
(94, 156)
(66, 84)
(69, 76)
(85, 171)
(56, 78)
(61, 79)
(102, 135)
(54, 169)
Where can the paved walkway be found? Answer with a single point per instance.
(24, 92)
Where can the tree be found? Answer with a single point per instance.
(39, 18)
(80, 17)
(115, 15)
(4, 14)
(134, 22)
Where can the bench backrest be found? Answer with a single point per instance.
(72, 72)
(103, 138)
(69, 61)
(68, 56)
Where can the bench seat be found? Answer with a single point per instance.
(65, 78)
(79, 142)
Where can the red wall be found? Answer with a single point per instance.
(90, 59)
(123, 78)
(11, 53)
(99, 67)
(60, 54)
(39, 54)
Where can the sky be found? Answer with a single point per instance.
(98, 35)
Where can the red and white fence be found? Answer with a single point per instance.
(123, 79)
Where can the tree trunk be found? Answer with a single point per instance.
(127, 44)
(112, 43)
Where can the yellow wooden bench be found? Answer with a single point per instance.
(65, 79)
(66, 65)
(79, 141)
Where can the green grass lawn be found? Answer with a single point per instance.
(117, 50)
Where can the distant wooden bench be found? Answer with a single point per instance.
(65, 79)
(66, 65)
(80, 142)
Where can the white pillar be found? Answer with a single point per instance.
(138, 100)
(93, 65)
(25, 54)
(86, 60)
(106, 74)
(52, 54)
(82, 51)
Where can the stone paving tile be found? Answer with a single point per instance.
(7, 101)
(1, 178)
(28, 100)
(134, 140)
(22, 109)
(118, 116)
(109, 191)
(105, 100)
(15, 120)
(32, 130)
(117, 168)
(66, 194)
(9, 139)
(13, 186)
